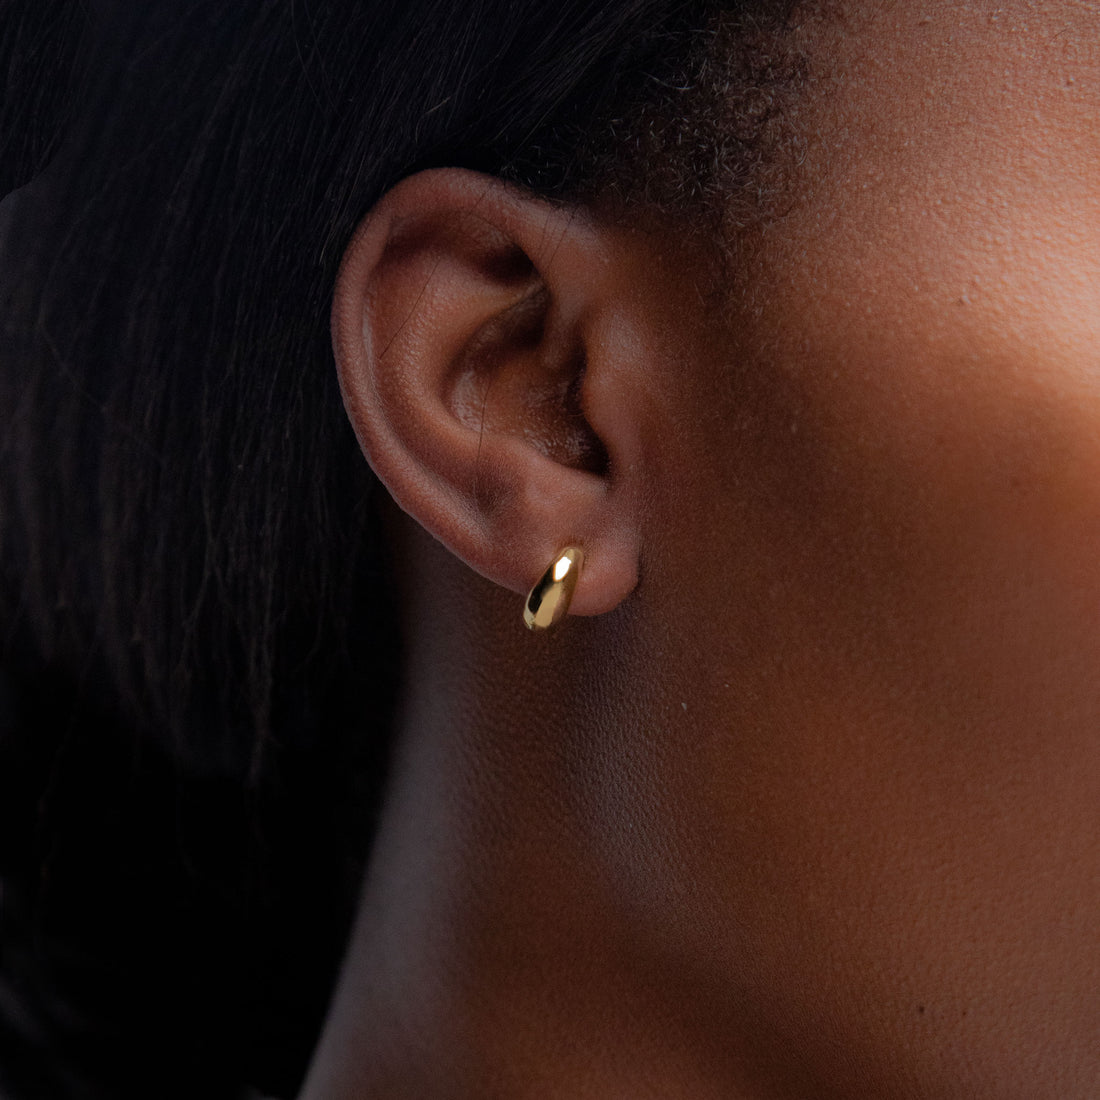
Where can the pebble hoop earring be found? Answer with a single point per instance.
(548, 602)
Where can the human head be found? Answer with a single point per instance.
(826, 717)
(768, 822)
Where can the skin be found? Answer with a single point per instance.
(804, 800)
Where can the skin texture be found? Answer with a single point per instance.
(805, 800)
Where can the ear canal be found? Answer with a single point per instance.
(584, 448)
(516, 374)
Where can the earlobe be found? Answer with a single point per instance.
(466, 328)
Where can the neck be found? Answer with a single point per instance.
(500, 949)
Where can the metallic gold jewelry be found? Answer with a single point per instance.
(549, 600)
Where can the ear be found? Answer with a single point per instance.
(490, 370)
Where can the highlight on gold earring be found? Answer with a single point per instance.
(548, 602)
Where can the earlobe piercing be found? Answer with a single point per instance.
(548, 602)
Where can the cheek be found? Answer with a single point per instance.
(902, 809)
(937, 316)
(901, 804)
(934, 517)
(950, 470)
(915, 653)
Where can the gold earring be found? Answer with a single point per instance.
(549, 600)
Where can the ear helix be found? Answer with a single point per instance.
(548, 602)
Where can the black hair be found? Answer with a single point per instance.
(199, 657)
